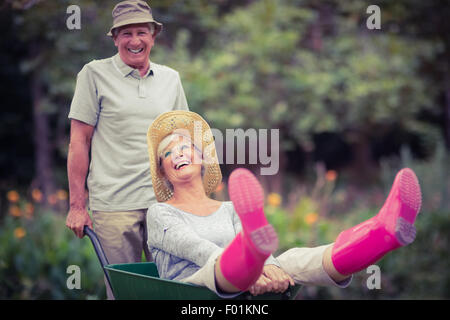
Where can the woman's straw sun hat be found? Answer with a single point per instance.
(198, 132)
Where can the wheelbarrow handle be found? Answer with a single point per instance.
(98, 250)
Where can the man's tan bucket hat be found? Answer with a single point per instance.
(199, 132)
(131, 12)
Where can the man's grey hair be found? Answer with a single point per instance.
(151, 26)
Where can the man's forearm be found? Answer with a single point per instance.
(77, 169)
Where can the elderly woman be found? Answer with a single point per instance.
(228, 246)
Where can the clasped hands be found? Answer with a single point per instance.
(272, 279)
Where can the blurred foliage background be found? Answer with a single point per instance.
(353, 106)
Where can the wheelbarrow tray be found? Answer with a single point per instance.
(141, 281)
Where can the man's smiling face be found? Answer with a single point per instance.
(134, 43)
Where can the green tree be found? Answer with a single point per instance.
(308, 68)
(53, 56)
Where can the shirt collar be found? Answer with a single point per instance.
(126, 70)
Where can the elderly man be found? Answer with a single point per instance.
(115, 100)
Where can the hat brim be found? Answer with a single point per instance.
(158, 25)
(167, 123)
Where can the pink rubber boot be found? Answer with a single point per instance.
(393, 227)
(242, 261)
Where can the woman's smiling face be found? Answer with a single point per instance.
(180, 160)
(134, 43)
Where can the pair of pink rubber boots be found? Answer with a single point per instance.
(355, 249)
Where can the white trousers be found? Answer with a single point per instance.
(304, 265)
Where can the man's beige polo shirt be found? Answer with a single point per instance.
(121, 105)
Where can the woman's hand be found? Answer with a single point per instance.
(272, 279)
(262, 285)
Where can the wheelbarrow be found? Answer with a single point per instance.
(141, 281)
